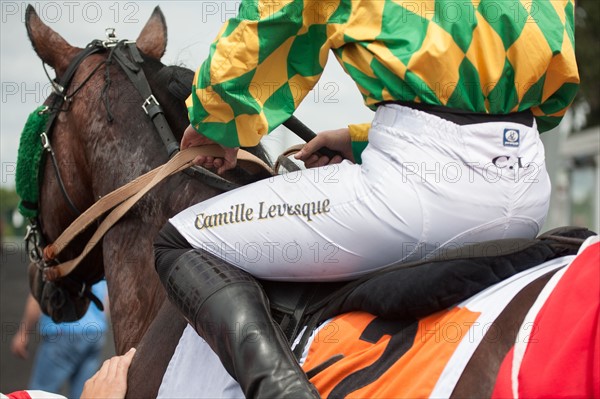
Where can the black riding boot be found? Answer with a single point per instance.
(229, 309)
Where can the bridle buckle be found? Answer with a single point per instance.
(111, 38)
(149, 102)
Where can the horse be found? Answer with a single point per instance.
(99, 158)
(102, 139)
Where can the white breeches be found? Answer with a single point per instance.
(425, 185)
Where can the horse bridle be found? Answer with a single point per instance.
(127, 56)
(59, 102)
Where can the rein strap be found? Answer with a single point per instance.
(124, 198)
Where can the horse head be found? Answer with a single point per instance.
(84, 142)
(103, 139)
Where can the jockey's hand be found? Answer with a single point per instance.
(191, 138)
(336, 140)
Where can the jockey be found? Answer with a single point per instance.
(460, 92)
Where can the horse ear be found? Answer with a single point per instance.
(49, 45)
(153, 38)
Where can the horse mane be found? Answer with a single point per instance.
(178, 81)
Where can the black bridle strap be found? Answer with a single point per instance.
(64, 81)
(58, 99)
(61, 184)
(150, 105)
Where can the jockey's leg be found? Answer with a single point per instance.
(229, 309)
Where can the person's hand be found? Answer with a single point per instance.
(191, 138)
(336, 140)
(19, 343)
(110, 382)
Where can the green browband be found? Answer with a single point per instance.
(28, 162)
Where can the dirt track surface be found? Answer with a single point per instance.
(14, 287)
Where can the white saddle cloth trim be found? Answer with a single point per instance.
(195, 371)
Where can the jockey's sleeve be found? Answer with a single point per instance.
(266, 60)
(263, 63)
(359, 135)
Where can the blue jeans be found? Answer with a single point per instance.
(71, 358)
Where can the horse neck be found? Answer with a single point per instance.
(136, 293)
(134, 289)
(113, 154)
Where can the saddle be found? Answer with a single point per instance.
(417, 289)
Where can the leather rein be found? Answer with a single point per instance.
(127, 56)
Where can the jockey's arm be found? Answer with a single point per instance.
(254, 79)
